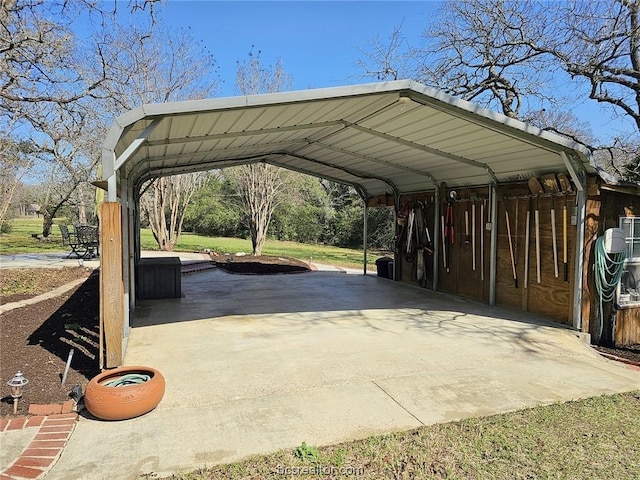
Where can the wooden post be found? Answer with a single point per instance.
(111, 286)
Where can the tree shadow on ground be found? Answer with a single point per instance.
(75, 325)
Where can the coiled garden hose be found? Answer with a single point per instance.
(608, 272)
(128, 379)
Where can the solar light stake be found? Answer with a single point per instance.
(17, 384)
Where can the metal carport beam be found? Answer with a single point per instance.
(244, 133)
(135, 145)
(425, 148)
(152, 173)
(379, 161)
(358, 188)
(354, 173)
(207, 153)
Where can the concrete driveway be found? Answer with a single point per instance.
(254, 364)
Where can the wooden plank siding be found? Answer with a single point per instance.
(604, 209)
(552, 297)
(628, 327)
(111, 284)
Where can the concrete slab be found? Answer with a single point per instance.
(45, 260)
(60, 259)
(12, 443)
(258, 363)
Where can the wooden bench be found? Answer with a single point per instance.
(83, 240)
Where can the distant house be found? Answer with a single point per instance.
(34, 209)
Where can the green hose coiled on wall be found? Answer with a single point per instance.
(128, 379)
(608, 272)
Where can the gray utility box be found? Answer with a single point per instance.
(158, 278)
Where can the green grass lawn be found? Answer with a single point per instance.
(316, 253)
(596, 438)
(19, 240)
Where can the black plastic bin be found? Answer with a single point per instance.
(385, 267)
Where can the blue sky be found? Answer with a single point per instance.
(319, 42)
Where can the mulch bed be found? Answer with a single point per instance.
(631, 352)
(259, 265)
(36, 339)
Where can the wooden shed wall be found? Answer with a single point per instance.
(604, 208)
(627, 327)
(552, 297)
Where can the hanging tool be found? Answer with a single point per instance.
(401, 220)
(565, 187)
(473, 235)
(482, 230)
(553, 234)
(410, 226)
(443, 195)
(444, 244)
(550, 184)
(449, 225)
(466, 226)
(565, 184)
(420, 241)
(515, 234)
(536, 189)
(537, 222)
(564, 240)
(527, 237)
(426, 247)
(513, 260)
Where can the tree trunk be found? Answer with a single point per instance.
(259, 225)
(47, 222)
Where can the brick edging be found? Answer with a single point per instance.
(44, 449)
(630, 363)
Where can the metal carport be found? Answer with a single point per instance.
(389, 138)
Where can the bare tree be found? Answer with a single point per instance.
(514, 57)
(600, 42)
(15, 162)
(66, 155)
(259, 185)
(49, 84)
(387, 60)
(160, 67)
(165, 206)
(42, 59)
(481, 50)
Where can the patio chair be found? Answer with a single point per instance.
(88, 238)
(70, 239)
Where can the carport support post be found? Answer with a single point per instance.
(111, 287)
(493, 253)
(578, 175)
(364, 238)
(581, 206)
(436, 240)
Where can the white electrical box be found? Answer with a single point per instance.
(614, 240)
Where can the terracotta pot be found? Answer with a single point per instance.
(128, 401)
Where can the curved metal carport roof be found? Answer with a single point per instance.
(391, 137)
